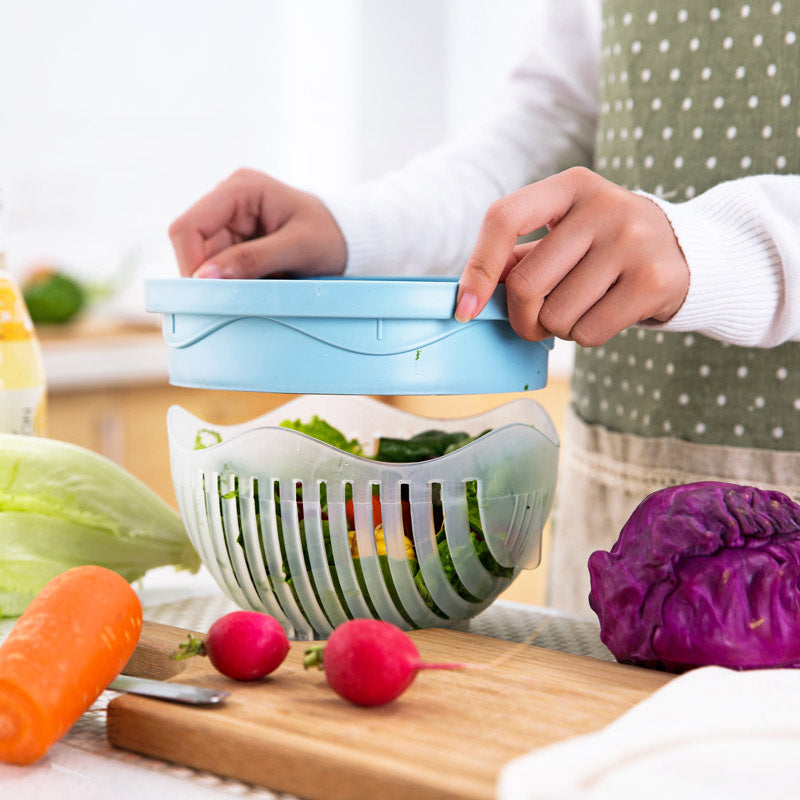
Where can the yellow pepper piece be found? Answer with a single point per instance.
(380, 543)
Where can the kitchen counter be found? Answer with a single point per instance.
(713, 734)
(729, 737)
(92, 353)
(85, 767)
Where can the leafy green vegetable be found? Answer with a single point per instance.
(476, 533)
(422, 446)
(449, 567)
(63, 506)
(325, 432)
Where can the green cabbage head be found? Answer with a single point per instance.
(62, 505)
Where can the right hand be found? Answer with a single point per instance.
(251, 226)
(609, 261)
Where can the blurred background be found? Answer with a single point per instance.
(115, 117)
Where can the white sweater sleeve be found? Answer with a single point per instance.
(741, 240)
(424, 218)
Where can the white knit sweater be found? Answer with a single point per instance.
(741, 239)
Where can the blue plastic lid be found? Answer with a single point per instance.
(340, 335)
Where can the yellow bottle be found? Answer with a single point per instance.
(23, 389)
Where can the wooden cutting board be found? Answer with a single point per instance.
(446, 738)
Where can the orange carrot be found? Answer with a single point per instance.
(68, 645)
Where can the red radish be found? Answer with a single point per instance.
(369, 662)
(244, 645)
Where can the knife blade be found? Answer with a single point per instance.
(165, 690)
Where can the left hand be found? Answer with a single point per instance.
(610, 259)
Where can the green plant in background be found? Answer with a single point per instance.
(53, 297)
(57, 295)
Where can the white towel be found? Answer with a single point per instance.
(712, 733)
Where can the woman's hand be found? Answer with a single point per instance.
(609, 260)
(252, 225)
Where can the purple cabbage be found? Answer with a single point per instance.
(703, 573)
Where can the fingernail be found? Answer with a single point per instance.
(208, 271)
(466, 307)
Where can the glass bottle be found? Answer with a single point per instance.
(23, 388)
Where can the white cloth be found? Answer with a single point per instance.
(712, 733)
(740, 238)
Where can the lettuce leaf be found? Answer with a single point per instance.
(422, 446)
(325, 432)
(62, 505)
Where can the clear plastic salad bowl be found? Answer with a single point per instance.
(286, 523)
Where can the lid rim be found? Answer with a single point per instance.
(331, 297)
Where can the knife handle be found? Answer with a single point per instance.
(152, 656)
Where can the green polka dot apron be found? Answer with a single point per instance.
(692, 95)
